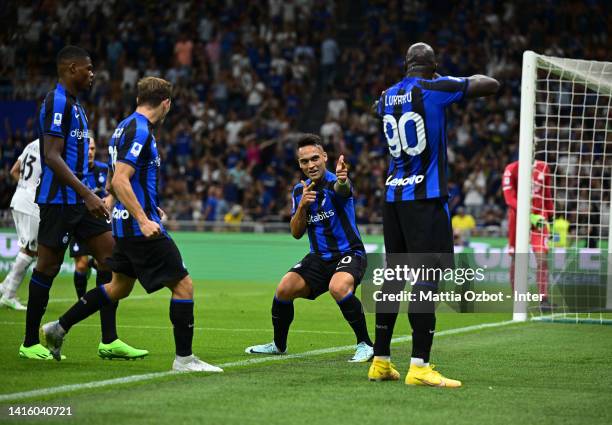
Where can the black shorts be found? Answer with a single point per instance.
(154, 262)
(78, 249)
(318, 272)
(419, 227)
(60, 223)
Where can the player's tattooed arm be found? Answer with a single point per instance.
(53, 147)
(343, 185)
(299, 221)
(481, 86)
(123, 189)
(15, 170)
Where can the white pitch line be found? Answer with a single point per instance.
(166, 328)
(145, 296)
(75, 299)
(149, 376)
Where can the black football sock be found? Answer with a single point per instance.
(282, 316)
(181, 316)
(353, 313)
(386, 316)
(80, 283)
(422, 319)
(38, 298)
(423, 328)
(91, 302)
(108, 313)
(385, 322)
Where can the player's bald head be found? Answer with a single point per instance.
(420, 57)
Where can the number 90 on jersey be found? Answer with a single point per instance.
(397, 137)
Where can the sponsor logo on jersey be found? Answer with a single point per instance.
(407, 181)
(80, 134)
(321, 216)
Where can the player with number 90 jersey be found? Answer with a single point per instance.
(133, 143)
(414, 125)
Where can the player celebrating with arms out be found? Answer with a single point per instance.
(143, 248)
(322, 206)
(416, 217)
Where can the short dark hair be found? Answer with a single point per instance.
(309, 139)
(70, 53)
(153, 91)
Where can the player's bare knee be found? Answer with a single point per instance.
(81, 265)
(292, 286)
(118, 290)
(102, 266)
(183, 289)
(340, 288)
(49, 270)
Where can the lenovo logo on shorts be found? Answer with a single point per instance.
(407, 181)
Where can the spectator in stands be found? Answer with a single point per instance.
(463, 225)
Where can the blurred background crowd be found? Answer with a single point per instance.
(248, 75)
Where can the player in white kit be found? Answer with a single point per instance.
(26, 216)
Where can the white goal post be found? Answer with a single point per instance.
(565, 121)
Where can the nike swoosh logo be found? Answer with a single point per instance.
(341, 267)
(431, 384)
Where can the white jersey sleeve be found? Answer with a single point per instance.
(29, 178)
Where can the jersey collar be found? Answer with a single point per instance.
(60, 88)
(149, 123)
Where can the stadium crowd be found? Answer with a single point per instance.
(245, 72)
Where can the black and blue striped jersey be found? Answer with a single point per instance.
(413, 113)
(61, 115)
(331, 226)
(133, 143)
(96, 177)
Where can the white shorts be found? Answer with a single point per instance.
(26, 226)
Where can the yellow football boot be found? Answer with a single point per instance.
(427, 376)
(382, 370)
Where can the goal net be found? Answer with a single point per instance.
(563, 252)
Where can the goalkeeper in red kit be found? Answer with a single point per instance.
(541, 212)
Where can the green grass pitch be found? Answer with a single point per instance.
(513, 374)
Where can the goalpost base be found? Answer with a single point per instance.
(570, 321)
